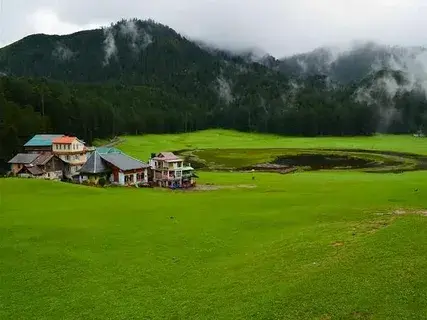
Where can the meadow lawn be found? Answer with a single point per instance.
(313, 245)
(142, 146)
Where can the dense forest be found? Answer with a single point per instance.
(139, 77)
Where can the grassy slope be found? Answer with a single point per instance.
(142, 146)
(73, 252)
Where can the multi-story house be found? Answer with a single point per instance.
(72, 152)
(168, 170)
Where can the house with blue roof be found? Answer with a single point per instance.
(41, 143)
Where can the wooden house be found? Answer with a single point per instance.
(38, 165)
(116, 168)
(169, 170)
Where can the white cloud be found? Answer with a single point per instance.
(280, 27)
(45, 20)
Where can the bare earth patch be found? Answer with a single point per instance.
(337, 244)
(208, 187)
(406, 212)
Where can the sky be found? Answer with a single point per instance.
(279, 27)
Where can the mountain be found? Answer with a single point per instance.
(143, 77)
(356, 62)
(134, 52)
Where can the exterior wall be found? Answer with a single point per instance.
(15, 167)
(75, 146)
(76, 159)
(53, 175)
(115, 175)
(38, 149)
(132, 177)
(54, 164)
(121, 178)
(146, 175)
(175, 165)
(73, 153)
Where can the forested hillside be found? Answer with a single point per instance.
(142, 77)
(356, 62)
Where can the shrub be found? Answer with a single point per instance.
(102, 182)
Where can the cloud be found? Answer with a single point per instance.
(279, 27)
(380, 95)
(224, 90)
(62, 52)
(411, 65)
(110, 47)
(45, 20)
(139, 38)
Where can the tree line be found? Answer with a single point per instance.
(30, 106)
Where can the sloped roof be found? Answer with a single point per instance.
(66, 140)
(166, 156)
(42, 159)
(95, 164)
(123, 161)
(34, 170)
(104, 150)
(42, 140)
(24, 158)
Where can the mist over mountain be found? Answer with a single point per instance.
(139, 76)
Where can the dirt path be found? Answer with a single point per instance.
(113, 142)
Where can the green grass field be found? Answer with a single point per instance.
(142, 146)
(312, 245)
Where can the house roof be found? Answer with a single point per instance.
(42, 140)
(34, 170)
(123, 161)
(167, 156)
(24, 158)
(108, 150)
(95, 164)
(66, 140)
(42, 159)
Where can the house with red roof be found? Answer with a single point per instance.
(51, 156)
(72, 151)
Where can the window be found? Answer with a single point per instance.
(140, 176)
(129, 178)
(69, 147)
(67, 157)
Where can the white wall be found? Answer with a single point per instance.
(121, 178)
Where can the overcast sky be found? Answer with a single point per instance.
(280, 27)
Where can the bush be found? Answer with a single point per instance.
(102, 182)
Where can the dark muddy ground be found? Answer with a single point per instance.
(325, 162)
(316, 159)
